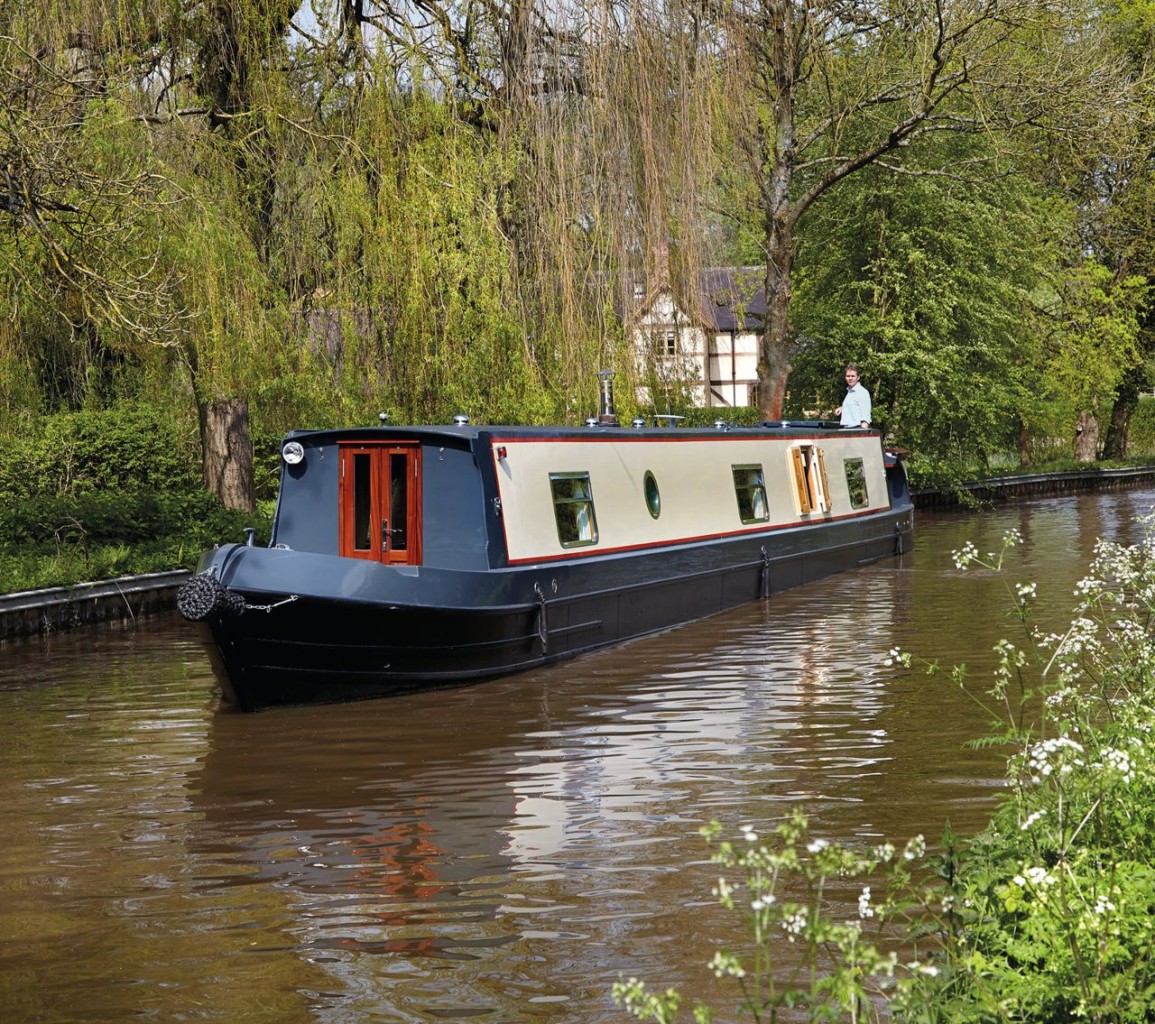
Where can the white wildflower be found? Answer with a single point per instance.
(916, 967)
(884, 853)
(726, 965)
(965, 555)
(795, 923)
(915, 848)
(1118, 762)
(1032, 818)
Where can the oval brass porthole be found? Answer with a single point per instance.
(653, 496)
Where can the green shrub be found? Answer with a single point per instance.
(93, 495)
(135, 517)
(1141, 436)
(121, 449)
(740, 416)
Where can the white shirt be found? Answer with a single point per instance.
(856, 407)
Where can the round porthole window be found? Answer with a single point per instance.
(653, 496)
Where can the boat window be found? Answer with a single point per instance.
(750, 490)
(856, 482)
(653, 496)
(810, 486)
(573, 506)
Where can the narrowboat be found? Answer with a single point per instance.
(404, 557)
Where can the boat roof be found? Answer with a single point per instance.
(471, 431)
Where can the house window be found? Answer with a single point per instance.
(573, 507)
(810, 487)
(671, 343)
(856, 483)
(750, 490)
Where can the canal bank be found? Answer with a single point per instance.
(1027, 486)
(39, 612)
(56, 609)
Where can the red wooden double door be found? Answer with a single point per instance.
(381, 501)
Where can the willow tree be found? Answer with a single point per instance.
(821, 90)
(92, 203)
(81, 210)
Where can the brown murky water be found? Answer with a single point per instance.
(500, 853)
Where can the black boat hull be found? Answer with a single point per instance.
(323, 648)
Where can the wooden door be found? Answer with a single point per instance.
(381, 501)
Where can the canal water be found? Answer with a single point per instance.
(500, 853)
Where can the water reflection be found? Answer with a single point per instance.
(501, 852)
(551, 817)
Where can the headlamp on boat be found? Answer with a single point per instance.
(293, 453)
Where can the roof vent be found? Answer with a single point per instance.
(591, 421)
(637, 421)
(461, 420)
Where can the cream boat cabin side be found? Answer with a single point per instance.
(404, 557)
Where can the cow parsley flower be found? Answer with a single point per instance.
(1032, 818)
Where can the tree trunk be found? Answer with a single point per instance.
(781, 52)
(228, 452)
(1024, 444)
(1126, 402)
(1086, 436)
(774, 361)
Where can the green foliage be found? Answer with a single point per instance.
(925, 282)
(781, 886)
(695, 416)
(59, 541)
(122, 449)
(120, 517)
(1141, 437)
(1055, 897)
(87, 496)
(1093, 337)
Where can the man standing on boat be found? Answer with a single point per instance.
(855, 408)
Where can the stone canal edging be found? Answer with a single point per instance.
(35, 612)
(1024, 486)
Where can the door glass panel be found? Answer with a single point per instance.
(398, 502)
(362, 502)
